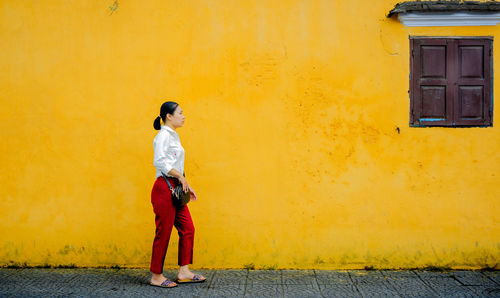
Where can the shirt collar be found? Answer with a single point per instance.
(166, 127)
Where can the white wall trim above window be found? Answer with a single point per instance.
(426, 19)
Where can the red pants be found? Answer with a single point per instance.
(166, 217)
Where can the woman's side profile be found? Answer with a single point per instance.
(169, 161)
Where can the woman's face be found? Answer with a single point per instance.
(177, 119)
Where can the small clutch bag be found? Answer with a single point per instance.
(179, 197)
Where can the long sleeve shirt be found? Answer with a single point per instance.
(168, 152)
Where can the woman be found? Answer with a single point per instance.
(169, 160)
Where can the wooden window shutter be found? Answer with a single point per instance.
(473, 82)
(450, 82)
(432, 83)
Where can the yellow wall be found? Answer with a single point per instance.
(292, 109)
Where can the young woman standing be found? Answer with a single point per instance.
(169, 160)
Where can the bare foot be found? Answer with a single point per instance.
(158, 279)
(187, 275)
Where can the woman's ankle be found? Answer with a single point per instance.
(157, 276)
(184, 269)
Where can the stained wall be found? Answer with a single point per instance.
(297, 137)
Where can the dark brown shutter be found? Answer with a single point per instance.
(432, 82)
(450, 82)
(473, 82)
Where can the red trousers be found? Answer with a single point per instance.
(166, 217)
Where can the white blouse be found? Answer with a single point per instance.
(169, 152)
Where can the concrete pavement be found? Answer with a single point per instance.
(250, 283)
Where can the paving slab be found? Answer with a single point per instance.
(4, 273)
(473, 278)
(325, 277)
(445, 284)
(372, 284)
(493, 275)
(230, 277)
(478, 283)
(407, 284)
(180, 291)
(301, 291)
(340, 290)
(264, 290)
(226, 291)
(299, 277)
(484, 291)
(264, 277)
(49, 281)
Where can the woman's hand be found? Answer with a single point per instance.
(185, 185)
(193, 194)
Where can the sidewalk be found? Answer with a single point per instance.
(250, 283)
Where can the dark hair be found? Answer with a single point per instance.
(167, 107)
